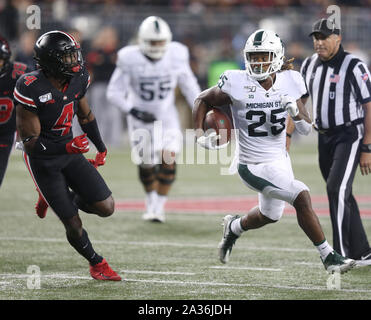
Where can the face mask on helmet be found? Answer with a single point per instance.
(263, 54)
(71, 62)
(58, 54)
(154, 36)
(4, 56)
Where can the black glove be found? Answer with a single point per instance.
(142, 115)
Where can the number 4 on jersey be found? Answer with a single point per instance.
(64, 121)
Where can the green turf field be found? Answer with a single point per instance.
(176, 260)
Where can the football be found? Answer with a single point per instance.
(219, 121)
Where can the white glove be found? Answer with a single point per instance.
(210, 141)
(289, 104)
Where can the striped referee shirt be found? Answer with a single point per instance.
(338, 88)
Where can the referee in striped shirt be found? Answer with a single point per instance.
(340, 89)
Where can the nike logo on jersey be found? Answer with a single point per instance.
(44, 148)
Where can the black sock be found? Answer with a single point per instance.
(85, 248)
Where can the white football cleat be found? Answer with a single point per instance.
(148, 216)
(159, 217)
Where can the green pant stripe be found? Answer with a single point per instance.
(254, 181)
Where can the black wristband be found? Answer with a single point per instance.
(366, 148)
(288, 135)
(92, 131)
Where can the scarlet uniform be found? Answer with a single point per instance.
(7, 113)
(54, 174)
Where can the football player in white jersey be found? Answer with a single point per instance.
(143, 85)
(260, 98)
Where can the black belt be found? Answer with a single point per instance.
(337, 129)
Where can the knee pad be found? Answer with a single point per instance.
(147, 175)
(166, 174)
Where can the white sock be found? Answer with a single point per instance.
(160, 204)
(324, 249)
(236, 227)
(151, 199)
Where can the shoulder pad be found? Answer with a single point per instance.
(178, 50)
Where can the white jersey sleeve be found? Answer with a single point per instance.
(228, 83)
(187, 81)
(297, 88)
(117, 90)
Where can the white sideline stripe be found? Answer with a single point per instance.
(245, 268)
(156, 244)
(311, 264)
(159, 272)
(223, 284)
(212, 284)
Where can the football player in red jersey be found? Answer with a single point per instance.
(48, 98)
(9, 74)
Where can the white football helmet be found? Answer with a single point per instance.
(154, 29)
(263, 41)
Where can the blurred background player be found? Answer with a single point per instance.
(9, 74)
(47, 100)
(264, 165)
(143, 86)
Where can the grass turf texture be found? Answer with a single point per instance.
(177, 260)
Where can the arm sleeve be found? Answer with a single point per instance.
(360, 81)
(117, 90)
(187, 82)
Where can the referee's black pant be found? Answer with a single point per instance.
(339, 153)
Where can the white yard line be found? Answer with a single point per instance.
(156, 244)
(159, 272)
(245, 268)
(9, 276)
(310, 264)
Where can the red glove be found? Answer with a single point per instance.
(78, 144)
(100, 159)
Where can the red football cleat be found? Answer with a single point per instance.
(102, 271)
(41, 206)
